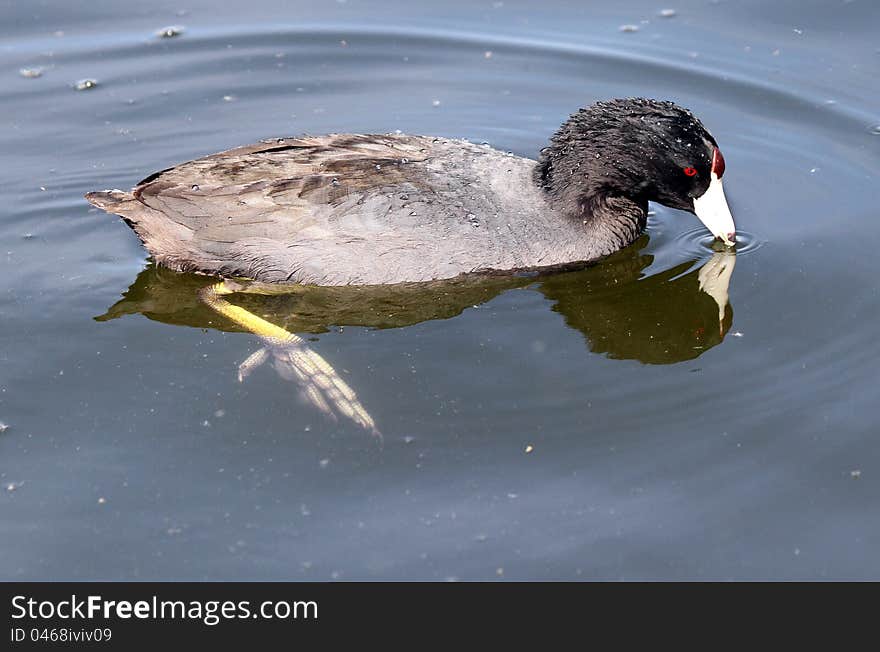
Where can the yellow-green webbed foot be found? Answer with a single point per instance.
(294, 360)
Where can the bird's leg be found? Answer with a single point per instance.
(322, 384)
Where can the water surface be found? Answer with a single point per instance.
(678, 427)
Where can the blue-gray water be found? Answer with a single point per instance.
(663, 444)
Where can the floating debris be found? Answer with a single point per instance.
(229, 98)
(3, 427)
(855, 473)
(487, 54)
(31, 73)
(435, 103)
(171, 31)
(667, 13)
(629, 28)
(102, 500)
(324, 463)
(875, 130)
(86, 84)
(12, 486)
(529, 448)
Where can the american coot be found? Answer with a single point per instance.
(379, 209)
(386, 209)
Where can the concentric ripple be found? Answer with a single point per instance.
(699, 243)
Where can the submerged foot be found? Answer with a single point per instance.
(294, 360)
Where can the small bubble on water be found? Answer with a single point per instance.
(667, 13)
(875, 130)
(487, 54)
(31, 73)
(435, 103)
(629, 28)
(86, 84)
(170, 32)
(229, 98)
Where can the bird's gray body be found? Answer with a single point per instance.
(357, 209)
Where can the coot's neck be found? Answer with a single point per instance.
(574, 178)
(611, 223)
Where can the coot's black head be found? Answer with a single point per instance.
(642, 150)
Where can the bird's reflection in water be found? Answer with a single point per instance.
(669, 316)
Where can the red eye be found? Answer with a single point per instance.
(691, 172)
